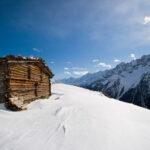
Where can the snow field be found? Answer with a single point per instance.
(74, 118)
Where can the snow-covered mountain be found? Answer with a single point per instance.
(129, 82)
(75, 119)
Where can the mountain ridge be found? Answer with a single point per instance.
(127, 81)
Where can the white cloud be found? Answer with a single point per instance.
(36, 50)
(133, 56)
(125, 15)
(78, 68)
(66, 68)
(80, 72)
(116, 60)
(104, 65)
(95, 60)
(67, 73)
(52, 62)
(146, 20)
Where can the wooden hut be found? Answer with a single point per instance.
(22, 80)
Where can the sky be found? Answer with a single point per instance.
(75, 37)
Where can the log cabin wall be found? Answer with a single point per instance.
(27, 82)
(3, 89)
(22, 80)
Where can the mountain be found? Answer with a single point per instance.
(74, 118)
(129, 82)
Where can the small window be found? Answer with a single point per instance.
(29, 72)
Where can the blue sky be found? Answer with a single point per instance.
(76, 36)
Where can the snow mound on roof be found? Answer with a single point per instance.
(76, 119)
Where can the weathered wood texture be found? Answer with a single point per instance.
(27, 82)
(3, 89)
(23, 80)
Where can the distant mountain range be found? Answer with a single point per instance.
(128, 82)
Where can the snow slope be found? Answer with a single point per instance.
(128, 82)
(75, 119)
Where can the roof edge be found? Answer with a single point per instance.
(37, 60)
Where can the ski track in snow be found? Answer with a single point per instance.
(75, 119)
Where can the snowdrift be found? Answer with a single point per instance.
(75, 119)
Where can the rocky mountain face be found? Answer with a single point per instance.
(128, 82)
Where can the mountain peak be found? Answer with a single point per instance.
(124, 82)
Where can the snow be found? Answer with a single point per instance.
(132, 79)
(128, 80)
(74, 118)
(121, 79)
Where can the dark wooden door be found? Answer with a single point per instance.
(36, 88)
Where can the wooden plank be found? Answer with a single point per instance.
(22, 88)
